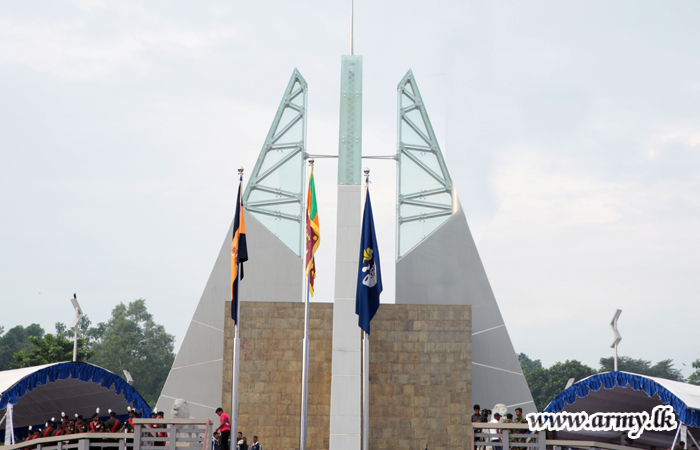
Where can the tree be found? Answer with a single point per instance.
(527, 364)
(545, 384)
(50, 349)
(85, 331)
(662, 369)
(15, 340)
(131, 340)
(694, 377)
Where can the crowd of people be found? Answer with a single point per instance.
(78, 425)
(496, 417)
(222, 435)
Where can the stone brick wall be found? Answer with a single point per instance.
(420, 377)
(269, 402)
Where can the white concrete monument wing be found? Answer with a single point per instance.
(274, 272)
(437, 260)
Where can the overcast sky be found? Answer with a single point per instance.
(571, 130)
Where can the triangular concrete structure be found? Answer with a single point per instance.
(275, 269)
(438, 262)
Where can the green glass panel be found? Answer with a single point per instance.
(350, 138)
(424, 186)
(274, 195)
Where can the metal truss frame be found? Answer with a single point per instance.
(282, 158)
(423, 153)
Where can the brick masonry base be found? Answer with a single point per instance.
(420, 375)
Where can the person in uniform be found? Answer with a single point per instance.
(509, 418)
(95, 426)
(519, 419)
(80, 425)
(33, 434)
(476, 417)
(49, 431)
(129, 423)
(256, 444)
(113, 423)
(62, 428)
(161, 415)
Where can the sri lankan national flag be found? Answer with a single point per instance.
(313, 233)
(239, 251)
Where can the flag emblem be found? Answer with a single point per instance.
(370, 269)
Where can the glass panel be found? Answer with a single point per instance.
(350, 141)
(274, 195)
(424, 186)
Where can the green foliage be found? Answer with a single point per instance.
(85, 331)
(545, 384)
(131, 340)
(50, 349)
(694, 377)
(662, 369)
(527, 364)
(15, 340)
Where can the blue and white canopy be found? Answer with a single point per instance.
(629, 392)
(41, 392)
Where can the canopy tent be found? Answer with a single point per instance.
(629, 392)
(41, 392)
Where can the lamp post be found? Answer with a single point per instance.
(618, 338)
(74, 326)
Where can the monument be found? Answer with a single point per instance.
(443, 341)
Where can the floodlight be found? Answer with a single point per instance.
(570, 383)
(613, 325)
(74, 301)
(74, 325)
(128, 377)
(618, 337)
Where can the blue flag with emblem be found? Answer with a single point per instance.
(369, 274)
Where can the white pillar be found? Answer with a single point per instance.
(9, 426)
(346, 380)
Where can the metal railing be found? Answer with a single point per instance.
(82, 441)
(503, 436)
(506, 436)
(149, 434)
(169, 434)
(586, 445)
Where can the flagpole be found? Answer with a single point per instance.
(305, 356)
(305, 372)
(365, 369)
(236, 346)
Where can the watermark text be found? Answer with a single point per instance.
(661, 418)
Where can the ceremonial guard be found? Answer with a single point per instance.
(49, 431)
(33, 434)
(95, 425)
(161, 415)
(113, 423)
(129, 424)
(519, 419)
(80, 425)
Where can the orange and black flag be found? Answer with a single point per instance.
(313, 232)
(239, 251)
